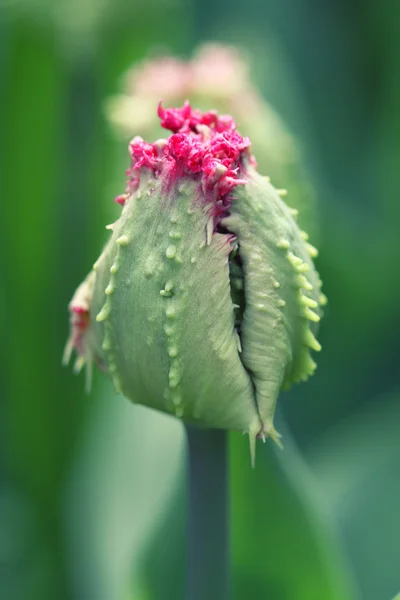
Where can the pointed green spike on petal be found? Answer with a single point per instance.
(312, 251)
(275, 437)
(310, 302)
(283, 243)
(311, 315)
(254, 430)
(323, 300)
(304, 283)
(311, 340)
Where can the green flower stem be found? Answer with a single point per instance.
(208, 566)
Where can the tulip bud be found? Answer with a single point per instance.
(204, 302)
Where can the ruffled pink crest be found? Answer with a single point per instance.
(203, 146)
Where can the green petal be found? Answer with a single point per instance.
(165, 317)
(282, 293)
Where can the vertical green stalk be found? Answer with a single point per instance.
(208, 564)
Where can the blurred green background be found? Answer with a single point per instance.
(92, 498)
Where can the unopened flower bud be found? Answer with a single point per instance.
(205, 300)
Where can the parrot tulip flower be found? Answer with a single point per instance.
(205, 300)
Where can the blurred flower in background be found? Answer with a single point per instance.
(218, 75)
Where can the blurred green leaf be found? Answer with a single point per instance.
(283, 543)
(32, 102)
(357, 464)
(31, 128)
(127, 468)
